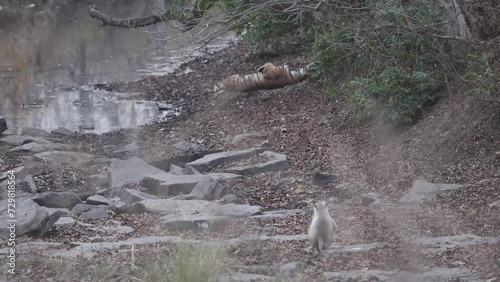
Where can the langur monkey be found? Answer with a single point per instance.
(322, 228)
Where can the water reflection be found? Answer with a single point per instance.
(55, 47)
(90, 111)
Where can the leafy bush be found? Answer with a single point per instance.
(270, 31)
(333, 54)
(394, 94)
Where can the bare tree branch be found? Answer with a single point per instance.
(127, 23)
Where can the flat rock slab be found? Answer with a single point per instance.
(74, 159)
(208, 189)
(225, 177)
(99, 200)
(423, 190)
(440, 244)
(39, 148)
(62, 131)
(36, 132)
(280, 213)
(65, 221)
(170, 184)
(32, 247)
(18, 140)
(114, 229)
(382, 275)
(244, 277)
(177, 170)
(435, 274)
(87, 249)
(277, 162)
(353, 248)
(57, 199)
(31, 218)
(131, 196)
(197, 207)
(212, 160)
(193, 222)
(121, 172)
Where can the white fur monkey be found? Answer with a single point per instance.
(322, 228)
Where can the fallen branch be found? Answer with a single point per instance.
(127, 23)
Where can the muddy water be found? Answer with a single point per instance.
(50, 54)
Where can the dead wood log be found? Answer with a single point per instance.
(127, 23)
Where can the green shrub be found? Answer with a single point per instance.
(333, 54)
(395, 94)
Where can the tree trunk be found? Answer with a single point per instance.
(456, 26)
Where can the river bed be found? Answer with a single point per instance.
(47, 69)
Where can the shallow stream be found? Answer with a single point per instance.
(50, 56)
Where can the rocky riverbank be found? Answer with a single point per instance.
(241, 170)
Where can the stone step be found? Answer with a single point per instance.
(212, 160)
(435, 274)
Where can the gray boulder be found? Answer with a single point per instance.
(57, 199)
(169, 184)
(208, 189)
(31, 184)
(189, 170)
(87, 211)
(62, 211)
(121, 172)
(177, 170)
(31, 219)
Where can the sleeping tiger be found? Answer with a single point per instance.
(268, 76)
